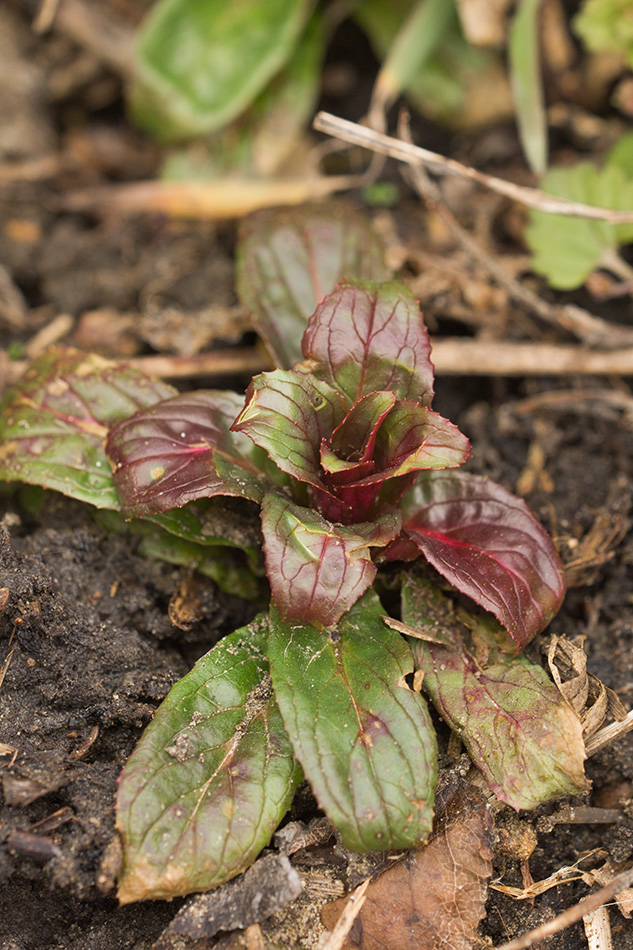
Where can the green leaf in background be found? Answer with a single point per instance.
(288, 260)
(211, 778)
(258, 142)
(363, 738)
(55, 418)
(415, 40)
(606, 26)
(567, 250)
(518, 729)
(621, 155)
(200, 63)
(527, 84)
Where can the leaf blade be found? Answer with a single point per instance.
(288, 261)
(211, 778)
(55, 418)
(181, 450)
(366, 337)
(518, 729)
(364, 740)
(318, 570)
(489, 545)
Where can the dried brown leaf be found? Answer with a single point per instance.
(433, 898)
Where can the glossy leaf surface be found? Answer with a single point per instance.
(489, 545)
(289, 260)
(211, 778)
(317, 569)
(367, 337)
(288, 414)
(518, 729)
(182, 450)
(54, 421)
(413, 437)
(202, 62)
(364, 740)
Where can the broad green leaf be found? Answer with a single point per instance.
(621, 155)
(606, 26)
(489, 545)
(366, 337)
(288, 414)
(518, 729)
(352, 443)
(211, 778)
(289, 259)
(54, 420)
(527, 84)
(364, 739)
(180, 450)
(258, 142)
(317, 569)
(200, 63)
(566, 250)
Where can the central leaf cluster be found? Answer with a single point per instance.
(352, 427)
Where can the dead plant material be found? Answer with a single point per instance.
(354, 904)
(413, 155)
(87, 744)
(572, 914)
(609, 734)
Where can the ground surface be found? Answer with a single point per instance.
(87, 648)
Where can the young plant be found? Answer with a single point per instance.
(354, 474)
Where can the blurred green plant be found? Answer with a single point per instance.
(606, 26)
(567, 250)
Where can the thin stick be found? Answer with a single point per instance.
(609, 734)
(344, 924)
(572, 914)
(581, 323)
(414, 155)
(451, 357)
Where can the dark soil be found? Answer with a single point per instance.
(87, 648)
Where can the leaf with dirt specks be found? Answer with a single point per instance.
(518, 729)
(211, 778)
(317, 569)
(434, 898)
(181, 450)
(289, 260)
(363, 738)
(366, 337)
(489, 545)
(55, 418)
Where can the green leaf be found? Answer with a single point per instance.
(566, 250)
(518, 729)
(363, 738)
(288, 260)
(317, 569)
(200, 63)
(527, 84)
(416, 38)
(606, 26)
(366, 337)
(211, 778)
(288, 414)
(258, 142)
(55, 418)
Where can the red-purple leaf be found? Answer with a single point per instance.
(489, 545)
(366, 337)
(317, 569)
(182, 449)
(288, 260)
(413, 438)
(288, 414)
(349, 451)
(519, 730)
